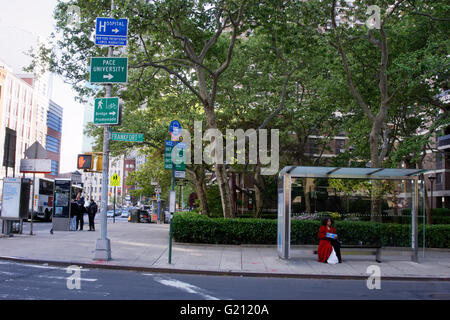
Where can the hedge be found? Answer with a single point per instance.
(194, 228)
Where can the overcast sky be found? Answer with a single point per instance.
(21, 22)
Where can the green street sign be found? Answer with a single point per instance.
(109, 70)
(106, 111)
(128, 137)
(180, 159)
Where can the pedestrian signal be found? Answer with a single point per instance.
(84, 161)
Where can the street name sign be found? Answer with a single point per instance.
(109, 70)
(106, 111)
(180, 158)
(111, 32)
(127, 137)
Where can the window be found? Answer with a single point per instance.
(438, 160)
(52, 144)
(55, 168)
(340, 145)
(438, 178)
(54, 122)
(313, 147)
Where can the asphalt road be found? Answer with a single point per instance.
(28, 281)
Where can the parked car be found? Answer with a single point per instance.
(110, 213)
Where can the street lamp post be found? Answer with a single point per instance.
(431, 198)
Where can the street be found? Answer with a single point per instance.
(28, 281)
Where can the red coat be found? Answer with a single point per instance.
(325, 247)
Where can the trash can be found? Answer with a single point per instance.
(135, 216)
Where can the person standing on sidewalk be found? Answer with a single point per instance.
(79, 200)
(92, 210)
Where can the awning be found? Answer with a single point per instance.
(351, 173)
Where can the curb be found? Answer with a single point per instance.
(214, 273)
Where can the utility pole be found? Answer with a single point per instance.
(103, 245)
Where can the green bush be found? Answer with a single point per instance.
(268, 215)
(194, 228)
(440, 212)
(214, 201)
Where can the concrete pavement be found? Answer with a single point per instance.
(144, 247)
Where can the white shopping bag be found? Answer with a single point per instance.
(73, 224)
(332, 259)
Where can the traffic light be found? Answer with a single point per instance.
(84, 161)
(99, 166)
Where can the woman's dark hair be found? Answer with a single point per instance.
(325, 220)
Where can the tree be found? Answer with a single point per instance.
(377, 87)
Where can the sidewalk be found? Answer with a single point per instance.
(144, 247)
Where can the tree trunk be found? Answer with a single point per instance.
(200, 189)
(259, 192)
(225, 191)
(376, 202)
(309, 187)
(220, 170)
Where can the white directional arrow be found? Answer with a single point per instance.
(115, 30)
(108, 76)
(112, 113)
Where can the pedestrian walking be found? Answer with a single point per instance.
(92, 210)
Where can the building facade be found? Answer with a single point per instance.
(24, 106)
(53, 137)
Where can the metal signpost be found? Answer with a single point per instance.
(115, 182)
(175, 132)
(35, 151)
(107, 70)
(111, 32)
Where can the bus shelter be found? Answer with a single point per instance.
(290, 172)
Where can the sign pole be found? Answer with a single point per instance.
(114, 206)
(103, 245)
(173, 213)
(32, 202)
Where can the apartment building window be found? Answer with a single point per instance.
(438, 160)
(313, 147)
(339, 145)
(438, 178)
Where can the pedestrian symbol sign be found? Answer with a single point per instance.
(106, 111)
(115, 180)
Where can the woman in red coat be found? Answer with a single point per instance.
(326, 245)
